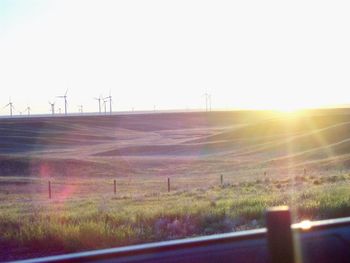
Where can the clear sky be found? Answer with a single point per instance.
(247, 54)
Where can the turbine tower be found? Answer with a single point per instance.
(65, 101)
(28, 109)
(105, 106)
(52, 107)
(207, 101)
(10, 104)
(80, 108)
(99, 103)
(110, 102)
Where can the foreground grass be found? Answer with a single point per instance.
(99, 222)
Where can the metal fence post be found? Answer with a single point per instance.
(279, 235)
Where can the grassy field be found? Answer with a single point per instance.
(32, 225)
(265, 160)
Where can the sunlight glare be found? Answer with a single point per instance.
(288, 109)
(305, 225)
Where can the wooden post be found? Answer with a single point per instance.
(115, 187)
(222, 180)
(168, 184)
(49, 189)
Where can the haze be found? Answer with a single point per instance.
(247, 54)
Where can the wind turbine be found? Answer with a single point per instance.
(80, 108)
(65, 101)
(28, 109)
(104, 105)
(207, 101)
(99, 103)
(110, 102)
(52, 107)
(10, 104)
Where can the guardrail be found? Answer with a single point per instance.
(280, 242)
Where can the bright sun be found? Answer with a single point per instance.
(292, 107)
(285, 106)
(288, 109)
(282, 108)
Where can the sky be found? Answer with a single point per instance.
(167, 54)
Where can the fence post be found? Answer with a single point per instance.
(168, 184)
(49, 189)
(222, 180)
(279, 235)
(115, 187)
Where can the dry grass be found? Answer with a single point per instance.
(266, 160)
(96, 220)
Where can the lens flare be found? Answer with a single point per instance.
(305, 225)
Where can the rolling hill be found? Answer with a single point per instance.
(140, 143)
